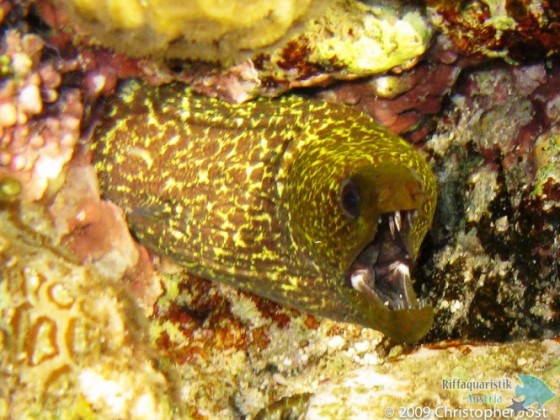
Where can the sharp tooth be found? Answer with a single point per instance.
(363, 280)
(398, 221)
(392, 225)
(409, 217)
(357, 280)
(403, 269)
(405, 273)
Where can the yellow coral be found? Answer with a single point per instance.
(203, 29)
(361, 39)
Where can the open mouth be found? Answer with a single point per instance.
(382, 269)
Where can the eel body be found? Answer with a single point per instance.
(309, 204)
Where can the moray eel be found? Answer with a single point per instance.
(306, 203)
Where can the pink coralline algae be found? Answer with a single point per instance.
(100, 69)
(39, 124)
(406, 102)
(42, 118)
(95, 231)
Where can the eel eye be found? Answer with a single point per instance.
(350, 199)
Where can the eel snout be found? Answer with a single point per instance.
(382, 269)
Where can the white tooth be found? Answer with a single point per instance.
(360, 280)
(405, 272)
(392, 226)
(357, 281)
(403, 269)
(398, 220)
(409, 217)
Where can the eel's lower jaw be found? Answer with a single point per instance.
(382, 270)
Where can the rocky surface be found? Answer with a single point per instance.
(493, 268)
(92, 325)
(516, 30)
(72, 344)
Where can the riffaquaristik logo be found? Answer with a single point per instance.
(533, 393)
(530, 395)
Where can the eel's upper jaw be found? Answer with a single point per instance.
(382, 270)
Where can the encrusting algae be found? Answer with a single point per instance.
(306, 203)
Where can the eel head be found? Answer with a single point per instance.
(367, 225)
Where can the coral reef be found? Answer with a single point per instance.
(70, 342)
(340, 39)
(92, 325)
(495, 272)
(237, 354)
(276, 361)
(39, 124)
(81, 223)
(414, 384)
(208, 30)
(511, 29)
(405, 102)
(355, 38)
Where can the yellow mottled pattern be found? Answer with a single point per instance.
(248, 194)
